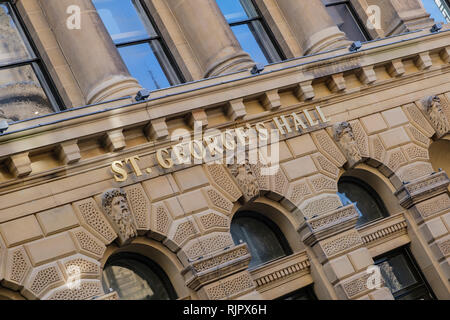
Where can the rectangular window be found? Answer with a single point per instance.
(250, 30)
(439, 10)
(24, 89)
(346, 19)
(139, 43)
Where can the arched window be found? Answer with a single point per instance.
(135, 277)
(264, 239)
(367, 202)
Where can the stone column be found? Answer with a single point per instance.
(428, 203)
(311, 24)
(90, 52)
(210, 37)
(410, 15)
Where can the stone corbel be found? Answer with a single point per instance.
(206, 270)
(157, 129)
(327, 225)
(236, 109)
(445, 54)
(197, 117)
(271, 100)
(19, 164)
(336, 83)
(423, 61)
(114, 140)
(395, 68)
(366, 75)
(68, 152)
(304, 91)
(422, 189)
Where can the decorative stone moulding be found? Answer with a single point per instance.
(432, 106)
(220, 265)
(422, 189)
(327, 225)
(246, 180)
(343, 135)
(118, 213)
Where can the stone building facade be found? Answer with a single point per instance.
(105, 193)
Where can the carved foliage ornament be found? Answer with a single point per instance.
(343, 135)
(439, 121)
(115, 205)
(246, 180)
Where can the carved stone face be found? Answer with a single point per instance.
(119, 207)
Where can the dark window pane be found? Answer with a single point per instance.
(261, 240)
(144, 63)
(438, 9)
(124, 19)
(21, 94)
(134, 280)
(249, 43)
(237, 10)
(346, 22)
(368, 206)
(12, 44)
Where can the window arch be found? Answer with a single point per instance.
(263, 237)
(368, 203)
(136, 277)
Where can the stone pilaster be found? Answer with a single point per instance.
(218, 52)
(428, 204)
(89, 50)
(342, 254)
(311, 24)
(409, 15)
(222, 275)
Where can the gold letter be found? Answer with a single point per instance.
(117, 167)
(298, 122)
(310, 120)
(262, 131)
(213, 144)
(201, 149)
(280, 126)
(133, 162)
(165, 163)
(228, 144)
(321, 115)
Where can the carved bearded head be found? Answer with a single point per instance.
(343, 134)
(436, 114)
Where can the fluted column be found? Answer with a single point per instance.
(311, 24)
(210, 37)
(90, 52)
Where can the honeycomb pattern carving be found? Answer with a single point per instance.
(88, 243)
(139, 206)
(326, 166)
(419, 121)
(209, 244)
(396, 159)
(263, 180)
(414, 152)
(20, 265)
(219, 201)
(221, 178)
(418, 136)
(342, 243)
(299, 192)
(184, 231)
(434, 205)
(414, 171)
(216, 292)
(319, 206)
(86, 266)
(328, 148)
(94, 218)
(280, 182)
(321, 183)
(333, 217)
(85, 291)
(162, 220)
(43, 279)
(356, 286)
(444, 247)
(361, 138)
(220, 259)
(377, 150)
(239, 284)
(212, 220)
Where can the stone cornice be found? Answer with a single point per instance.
(383, 230)
(422, 189)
